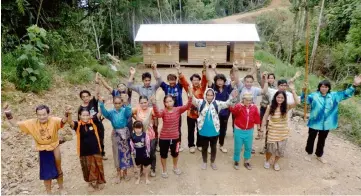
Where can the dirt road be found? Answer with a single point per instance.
(250, 17)
(341, 175)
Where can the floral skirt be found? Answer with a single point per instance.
(92, 167)
(121, 148)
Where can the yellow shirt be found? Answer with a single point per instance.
(45, 135)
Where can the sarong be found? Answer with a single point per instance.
(48, 170)
(92, 167)
(121, 148)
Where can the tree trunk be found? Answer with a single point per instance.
(180, 11)
(133, 26)
(295, 20)
(160, 13)
(37, 17)
(111, 26)
(317, 35)
(96, 38)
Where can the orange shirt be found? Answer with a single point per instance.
(197, 92)
(45, 135)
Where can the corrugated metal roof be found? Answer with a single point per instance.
(197, 32)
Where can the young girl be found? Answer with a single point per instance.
(89, 149)
(121, 134)
(208, 122)
(140, 144)
(278, 128)
(169, 136)
(145, 114)
(246, 116)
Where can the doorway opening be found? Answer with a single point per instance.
(183, 52)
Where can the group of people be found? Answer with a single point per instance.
(211, 101)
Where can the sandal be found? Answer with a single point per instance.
(248, 166)
(177, 171)
(276, 167)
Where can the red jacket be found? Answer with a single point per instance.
(245, 117)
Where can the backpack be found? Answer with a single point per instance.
(204, 103)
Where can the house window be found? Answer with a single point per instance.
(160, 48)
(200, 44)
(157, 48)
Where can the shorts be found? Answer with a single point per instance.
(143, 161)
(165, 144)
(277, 148)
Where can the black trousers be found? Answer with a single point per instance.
(212, 142)
(153, 157)
(192, 124)
(262, 112)
(322, 135)
(223, 121)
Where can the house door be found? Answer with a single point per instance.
(230, 51)
(183, 52)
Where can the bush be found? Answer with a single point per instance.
(8, 68)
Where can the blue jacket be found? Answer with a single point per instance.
(324, 109)
(175, 92)
(223, 96)
(118, 118)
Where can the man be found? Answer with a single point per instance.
(44, 130)
(91, 104)
(147, 89)
(199, 85)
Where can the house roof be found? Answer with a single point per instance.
(197, 32)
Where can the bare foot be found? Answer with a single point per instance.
(137, 182)
(101, 186)
(117, 180)
(147, 182)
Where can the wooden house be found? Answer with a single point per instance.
(189, 44)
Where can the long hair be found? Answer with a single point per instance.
(274, 104)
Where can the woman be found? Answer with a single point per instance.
(208, 122)
(324, 114)
(89, 149)
(145, 114)
(120, 135)
(278, 129)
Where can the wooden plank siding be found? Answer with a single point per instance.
(244, 53)
(214, 51)
(168, 53)
(161, 52)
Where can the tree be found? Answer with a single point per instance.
(315, 43)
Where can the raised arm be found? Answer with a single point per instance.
(188, 105)
(233, 99)
(265, 88)
(9, 116)
(68, 113)
(297, 75)
(343, 95)
(106, 85)
(131, 84)
(258, 74)
(157, 76)
(97, 92)
(264, 121)
(295, 97)
(157, 113)
(208, 74)
(182, 79)
(104, 111)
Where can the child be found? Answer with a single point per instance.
(140, 144)
(120, 135)
(246, 116)
(169, 136)
(145, 114)
(278, 127)
(208, 122)
(89, 149)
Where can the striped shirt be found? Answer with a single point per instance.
(278, 129)
(171, 120)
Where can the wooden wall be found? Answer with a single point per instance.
(168, 52)
(216, 51)
(243, 52)
(161, 52)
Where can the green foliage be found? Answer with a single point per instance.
(350, 117)
(80, 76)
(30, 68)
(8, 68)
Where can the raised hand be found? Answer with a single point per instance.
(298, 74)
(7, 111)
(291, 85)
(154, 65)
(258, 64)
(153, 100)
(264, 74)
(357, 80)
(68, 109)
(234, 93)
(97, 76)
(132, 70)
(177, 66)
(214, 65)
